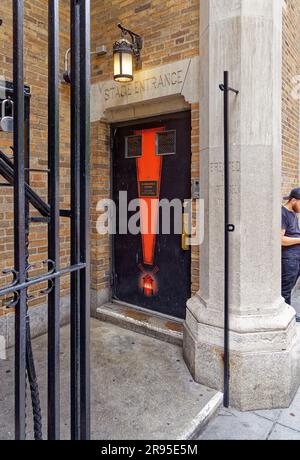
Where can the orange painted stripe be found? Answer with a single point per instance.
(149, 168)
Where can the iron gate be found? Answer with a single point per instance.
(16, 173)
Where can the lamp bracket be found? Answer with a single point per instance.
(136, 45)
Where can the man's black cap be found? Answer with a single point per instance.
(295, 193)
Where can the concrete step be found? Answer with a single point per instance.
(161, 327)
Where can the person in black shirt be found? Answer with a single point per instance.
(290, 242)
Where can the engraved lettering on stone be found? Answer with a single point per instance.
(218, 167)
(179, 78)
(148, 84)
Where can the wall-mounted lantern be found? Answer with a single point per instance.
(124, 51)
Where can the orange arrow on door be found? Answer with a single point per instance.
(149, 170)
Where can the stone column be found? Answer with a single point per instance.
(245, 38)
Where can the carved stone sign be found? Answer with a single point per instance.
(177, 78)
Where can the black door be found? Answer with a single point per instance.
(152, 162)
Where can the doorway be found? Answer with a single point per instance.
(152, 165)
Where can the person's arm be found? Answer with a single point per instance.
(287, 241)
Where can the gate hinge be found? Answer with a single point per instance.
(112, 279)
(112, 138)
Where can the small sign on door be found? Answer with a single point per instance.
(148, 188)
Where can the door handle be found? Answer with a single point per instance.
(184, 236)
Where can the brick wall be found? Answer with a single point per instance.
(100, 188)
(36, 57)
(290, 99)
(171, 32)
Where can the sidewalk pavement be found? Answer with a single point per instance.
(140, 388)
(277, 424)
(261, 425)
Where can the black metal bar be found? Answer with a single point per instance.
(53, 227)
(228, 228)
(41, 279)
(65, 213)
(7, 171)
(39, 220)
(9, 161)
(8, 87)
(19, 220)
(226, 245)
(30, 365)
(75, 219)
(85, 220)
(27, 145)
(222, 88)
(44, 171)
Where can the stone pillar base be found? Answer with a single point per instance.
(99, 298)
(2, 347)
(264, 355)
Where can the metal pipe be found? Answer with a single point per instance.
(53, 226)
(30, 365)
(85, 220)
(19, 220)
(75, 219)
(228, 228)
(226, 245)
